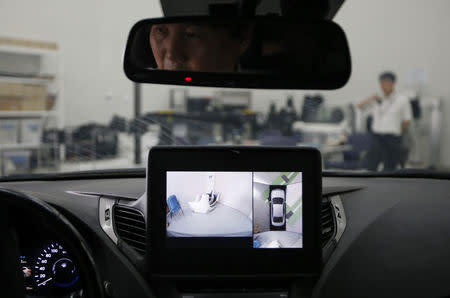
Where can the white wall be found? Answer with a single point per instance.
(186, 185)
(235, 190)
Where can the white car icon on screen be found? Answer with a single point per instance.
(278, 207)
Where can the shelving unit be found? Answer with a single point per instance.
(27, 114)
(23, 80)
(27, 50)
(31, 64)
(19, 146)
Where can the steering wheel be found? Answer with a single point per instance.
(13, 206)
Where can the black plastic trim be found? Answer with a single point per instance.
(422, 174)
(95, 174)
(140, 173)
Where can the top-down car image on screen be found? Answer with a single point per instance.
(209, 204)
(277, 209)
(277, 203)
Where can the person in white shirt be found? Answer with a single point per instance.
(392, 115)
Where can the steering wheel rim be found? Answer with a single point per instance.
(63, 229)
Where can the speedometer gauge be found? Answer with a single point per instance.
(55, 268)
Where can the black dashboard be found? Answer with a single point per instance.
(386, 237)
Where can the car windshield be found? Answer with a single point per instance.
(66, 105)
(278, 201)
(277, 219)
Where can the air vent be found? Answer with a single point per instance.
(129, 225)
(328, 224)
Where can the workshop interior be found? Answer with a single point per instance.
(49, 123)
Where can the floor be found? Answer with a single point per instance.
(281, 238)
(223, 221)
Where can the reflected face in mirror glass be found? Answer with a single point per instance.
(194, 47)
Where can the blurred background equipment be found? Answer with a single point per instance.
(311, 107)
(229, 101)
(92, 141)
(226, 117)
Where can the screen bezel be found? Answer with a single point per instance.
(228, 261)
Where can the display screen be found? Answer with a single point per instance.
(261, 210)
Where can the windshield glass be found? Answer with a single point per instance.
(66, 105)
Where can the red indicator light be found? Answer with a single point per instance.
(188, 79)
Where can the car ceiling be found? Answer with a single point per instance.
(317, 8)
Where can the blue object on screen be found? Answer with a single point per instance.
(174, 205)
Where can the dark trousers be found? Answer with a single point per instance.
(386, 149)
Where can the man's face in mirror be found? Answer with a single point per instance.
(189, 47)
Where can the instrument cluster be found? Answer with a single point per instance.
(49, 270)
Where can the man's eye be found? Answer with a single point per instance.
(160, 30)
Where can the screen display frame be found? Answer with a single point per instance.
(223, 260)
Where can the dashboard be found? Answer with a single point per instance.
(388, 237)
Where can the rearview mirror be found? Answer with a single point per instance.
(257, 52)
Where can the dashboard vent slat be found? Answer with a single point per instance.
(128, 213)
(131, 221)
(124, 231)
(328, 225)
(129, 225)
